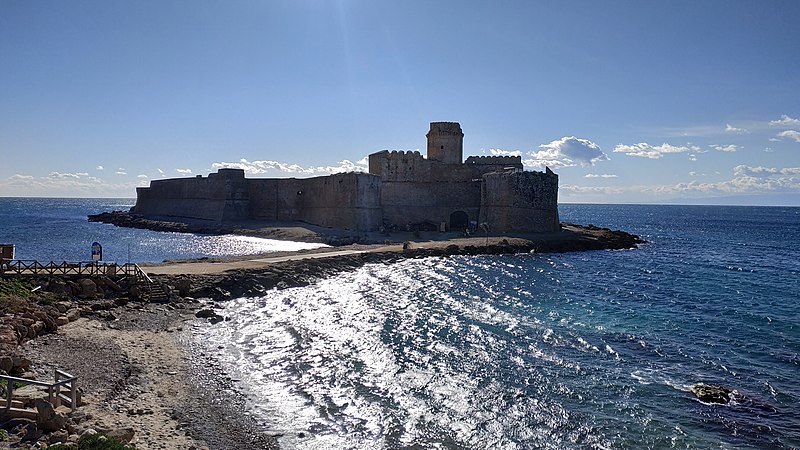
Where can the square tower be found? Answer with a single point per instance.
(446, 142)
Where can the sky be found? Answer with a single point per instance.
(628, 101)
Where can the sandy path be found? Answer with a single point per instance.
(214, 267)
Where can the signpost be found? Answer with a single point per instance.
(97, 251)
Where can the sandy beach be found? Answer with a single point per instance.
(140, 373)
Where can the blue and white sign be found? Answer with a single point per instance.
(97, 251)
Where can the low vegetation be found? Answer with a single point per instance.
(93, 442)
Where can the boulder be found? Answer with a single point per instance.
(62, 320)
(21, 363)
(123, 435)
(6, 363)
(59, 287)
(58, 437)
(183, 286)
(205, 313)
(48, 419)
(88, 288)
(73, 314)
(108, 284)
(710, 393)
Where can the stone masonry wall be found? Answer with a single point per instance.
(520, 201)
(432, 201)
(219, 195)
(347, 200)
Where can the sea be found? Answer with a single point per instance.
(594, 350)
(57, 229)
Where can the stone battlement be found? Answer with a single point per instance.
(453, 128)
(495, 160)
(402, 188)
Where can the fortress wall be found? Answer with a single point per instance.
(263, 193)
(198, 198)
(350, 201)
(429, 201)
(500, 161)
(399, 166)
(220, 195)
(520, 201)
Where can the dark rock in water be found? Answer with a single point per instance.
(215, 319)
(710, 393)
(205, 313)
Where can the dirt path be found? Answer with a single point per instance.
(214, 267)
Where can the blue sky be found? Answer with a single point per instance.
(627, 101)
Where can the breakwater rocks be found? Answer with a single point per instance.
(572, 237)
(34, 306)
(301, 272)
(130, 220)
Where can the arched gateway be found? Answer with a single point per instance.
(459, 221)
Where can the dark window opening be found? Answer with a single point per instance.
(442, 147)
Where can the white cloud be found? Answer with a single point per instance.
(767, 149)
(692, 157)
(745, 180)
(498, 152)
(644, 150)
(262, 167)
(595, 175)
(568, 151)
(99, 168)
(141, 176)
(64, 185)
(774, 139)
(731, 129)
(120, 172)
(785, 122)
(725, 148)
(184, 171)
(791, 134)
(68, 175)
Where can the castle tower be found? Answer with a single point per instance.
(446, 142)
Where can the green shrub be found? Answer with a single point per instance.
(15, 287)
(93, 442)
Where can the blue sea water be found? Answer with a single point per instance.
(578, 350)
(57, 229)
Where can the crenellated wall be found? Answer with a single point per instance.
(401, 188)
(500, 161)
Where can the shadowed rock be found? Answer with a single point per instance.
(710, 393)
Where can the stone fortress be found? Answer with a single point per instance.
(402, 190)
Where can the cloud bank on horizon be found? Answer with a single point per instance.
(283, 90)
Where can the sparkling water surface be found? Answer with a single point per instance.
(57, 229)
(578, 350)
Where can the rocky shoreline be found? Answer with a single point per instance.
(571, 238)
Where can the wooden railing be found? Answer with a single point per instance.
(63, 380)
(94, 268)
